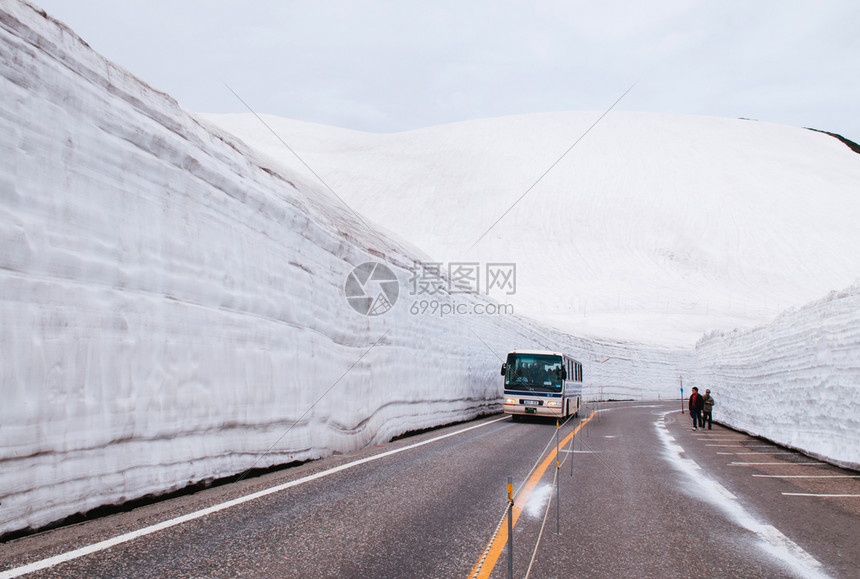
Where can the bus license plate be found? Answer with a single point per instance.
(531, 402)
(531, 410)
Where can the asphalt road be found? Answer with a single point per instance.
(639, 494)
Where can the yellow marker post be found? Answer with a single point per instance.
(510, 527)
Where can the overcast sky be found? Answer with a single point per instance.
(388, 66)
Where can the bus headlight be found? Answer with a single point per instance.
(552, 403)
(510, 400)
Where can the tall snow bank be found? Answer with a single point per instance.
(172, 312)
(795, 381)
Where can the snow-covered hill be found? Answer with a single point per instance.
(653, 227)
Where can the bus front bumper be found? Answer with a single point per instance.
(529, 410)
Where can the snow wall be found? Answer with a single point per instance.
(795, 381)
(173, 312)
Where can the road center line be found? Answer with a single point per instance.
(108, 543)
(487, 563)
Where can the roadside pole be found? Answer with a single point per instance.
(557, 484)
(510, 527)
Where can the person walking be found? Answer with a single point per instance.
(696, 405)
(707, 407)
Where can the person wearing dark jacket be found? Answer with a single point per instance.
(697, 404)
(707, 407)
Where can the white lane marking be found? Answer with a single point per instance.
(108, 543)
(773, 541)
(808, 475)
(689, 463)
(758, 452)
(722, 490)
(775, 464)
(743, 445)
(779, 545)
(815, 495)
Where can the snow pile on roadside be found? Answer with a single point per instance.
(174, 312)
(795, 381)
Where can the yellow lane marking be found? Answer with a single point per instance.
(484, 567)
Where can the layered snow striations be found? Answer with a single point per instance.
(172, 311)
(795, 381)
(176, 299)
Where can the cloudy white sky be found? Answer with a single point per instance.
(395, 65)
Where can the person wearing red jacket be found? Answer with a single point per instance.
(697, 404)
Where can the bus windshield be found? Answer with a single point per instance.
(534, 372)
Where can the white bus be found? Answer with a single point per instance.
(541, 383)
